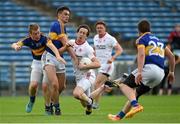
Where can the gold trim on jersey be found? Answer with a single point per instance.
(49, 42)
(54, 36)
(39, 51)
(137, 41)
(20, 42)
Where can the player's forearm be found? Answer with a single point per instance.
(140, 61)
(171, 63)
(93, 65)
(71, 53)
(62, 49)
(118, 51)
(54, 49)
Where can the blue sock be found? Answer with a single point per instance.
(121, 114)
(134, 103)
(32, 99)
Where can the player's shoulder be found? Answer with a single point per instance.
(26, 38)
(55, 23)
(43, 37)
(89, 47)
(96, 37)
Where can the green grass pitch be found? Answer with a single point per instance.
(157, 109)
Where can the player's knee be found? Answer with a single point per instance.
(76, 94)
(34, 85)
(55, 86)
(44, 87)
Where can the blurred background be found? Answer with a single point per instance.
(121, 17)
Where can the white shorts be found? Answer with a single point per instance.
(106, 68)
(152, 75)
(37, 71)
(86, 83)
(49, 59)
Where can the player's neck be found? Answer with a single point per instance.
(60, 21)
(102, 35)
(79, 42)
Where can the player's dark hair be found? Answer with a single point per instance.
(144, 26)
(33, 27)
(101, 23)
(84, 26)
(62, 8)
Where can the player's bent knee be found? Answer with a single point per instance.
(76, 95)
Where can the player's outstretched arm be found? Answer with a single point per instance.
(66, 47)
(56, 52)
(16, 46)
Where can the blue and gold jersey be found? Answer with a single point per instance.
(154, 49)
(37, 47)
(57, 30)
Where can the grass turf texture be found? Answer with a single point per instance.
(157, 109)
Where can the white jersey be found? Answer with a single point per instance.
(83, 50)
(104, 46)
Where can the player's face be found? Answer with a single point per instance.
(101, 30)
(64, 16)
(82, 34)
(35, 35)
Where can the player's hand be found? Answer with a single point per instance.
(107, 88)
(76, 62)
(60, 59)
(110, 60)
(16, 46)
(81, 66)
(138, 78)
(171, 77)
(69, 44)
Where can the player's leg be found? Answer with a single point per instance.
(122, 113)
(32, 96)
(104, 72)
(82, 92)
(62, 81)
(151, 77)
(169, 92)
(51, 74)
(127, 87)
(100, 79)
(36, 77)
(140, 90)
(79, 94)
(46, 88)
(60, 73)
(163, 82)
